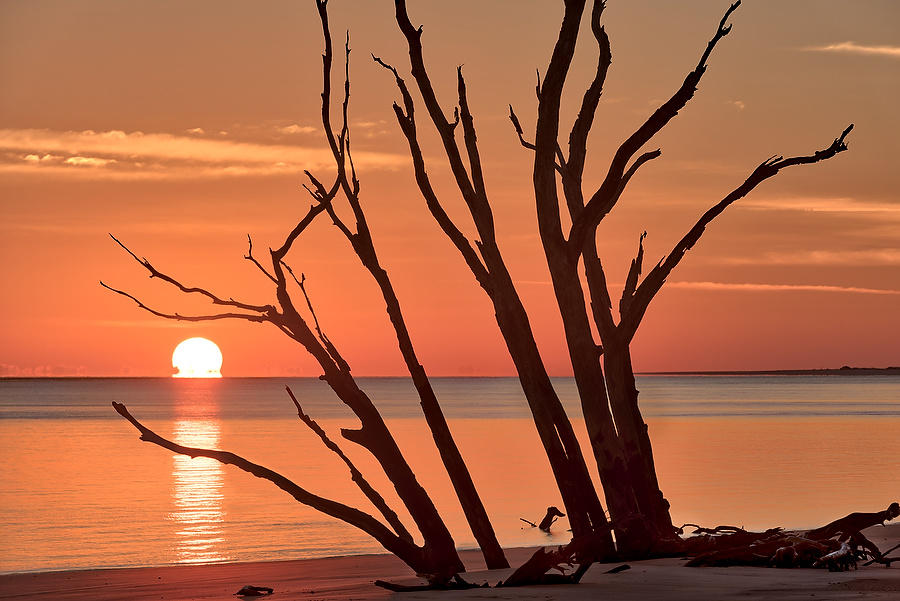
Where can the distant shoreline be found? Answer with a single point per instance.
(841, 371)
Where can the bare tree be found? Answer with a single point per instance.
(604, 376)
(619, 440)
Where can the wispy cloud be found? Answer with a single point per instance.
(747, 287)
(144, 227)
(88, 161)
(822, 205)
(136, 155)
(854, 48)
(295, 128)
(875, 256)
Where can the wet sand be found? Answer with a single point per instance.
(353, 577)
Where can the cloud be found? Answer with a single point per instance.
(88, 161)
(875, 256)
(294, 128)
(197, 227)
(195, 130)
(370, 124)
(822, 205)
(854, 48)
(138, 155)
(778, 288)
(747, 287)
(738, 104)
(34, 158)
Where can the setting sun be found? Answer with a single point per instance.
(197, 358)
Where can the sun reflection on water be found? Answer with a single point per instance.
(197, 496)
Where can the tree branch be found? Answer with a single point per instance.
(582, 126)
(155, 273)
(326, 342)
(408, 127)
(485, 221)
(473, 194)
(605, 197)
(560, 164)
(175, 316)
(249, 256)
(404, 549)
(657, 276)
(631, 281)
(376, 499)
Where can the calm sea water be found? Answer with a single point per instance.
(79, 490)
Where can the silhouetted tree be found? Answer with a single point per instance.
(604, 376)
(619, 440)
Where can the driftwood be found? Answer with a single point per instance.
(838, 545)
(254, 591)
(838, 561)
(854, 522)
(549, 519)
(537, 570)
(884, 559)
(454, 583)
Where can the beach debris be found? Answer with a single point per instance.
(837, 546)
(702, 530)
(854, 522)
(884, 559)
(453, 583)
(571, 561)
(254, 591)
(552, 514)
(550, 517)
(838, 561)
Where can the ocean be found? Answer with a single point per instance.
(79, 490)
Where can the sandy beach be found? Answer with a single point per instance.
(353, 577)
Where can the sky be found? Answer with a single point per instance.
(183, 127)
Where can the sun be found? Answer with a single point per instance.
(197, 358)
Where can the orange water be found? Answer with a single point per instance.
(84, 492)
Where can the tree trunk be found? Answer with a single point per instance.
(440, 550)
(473, 508)
(635, 438)
(583, 506)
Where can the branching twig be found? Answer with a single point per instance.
(560, 163)
(249, 256)
(268, 316)
(155, 273)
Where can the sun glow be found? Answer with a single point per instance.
(197, 358)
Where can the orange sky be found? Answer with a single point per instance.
(181, 127)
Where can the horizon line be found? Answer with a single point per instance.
(843, 370)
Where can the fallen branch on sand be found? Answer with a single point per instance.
(455, 583)
(838, 545)
(255, 591)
